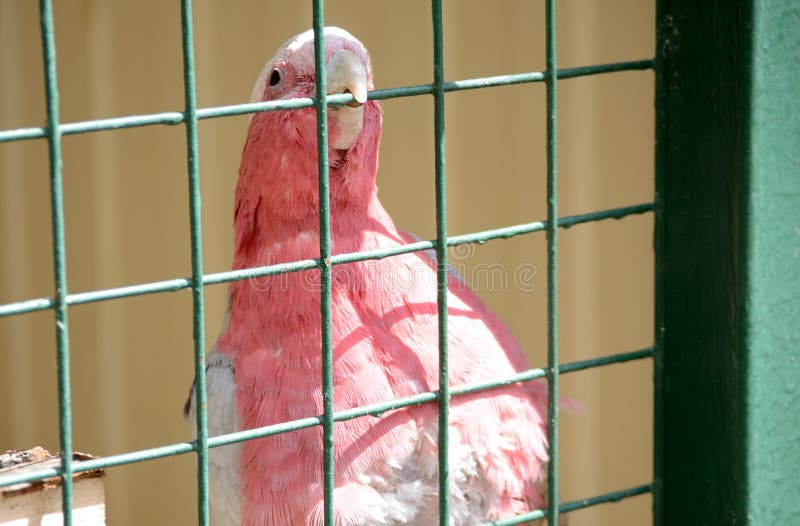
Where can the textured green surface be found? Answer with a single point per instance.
(730, 262)
(769, 285)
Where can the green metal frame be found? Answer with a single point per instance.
(729, 402)
(438, 88)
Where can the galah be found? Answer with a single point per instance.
(265, 367)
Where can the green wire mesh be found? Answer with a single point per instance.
(190, 117)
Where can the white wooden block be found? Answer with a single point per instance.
(39, 503)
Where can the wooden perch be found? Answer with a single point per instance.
(39, 503)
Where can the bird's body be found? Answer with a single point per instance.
(266, 365)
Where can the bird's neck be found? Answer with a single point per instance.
(277, 221)
(277, 195)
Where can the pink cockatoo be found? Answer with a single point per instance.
(266, 366)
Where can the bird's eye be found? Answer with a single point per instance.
(275, 77)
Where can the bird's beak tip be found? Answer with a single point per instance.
(347, 74)
(359, 94)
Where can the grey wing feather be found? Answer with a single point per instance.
(224, 478)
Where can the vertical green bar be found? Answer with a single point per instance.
(702, 365)
(59, 256)
(658, 241)
(198, 310)
(442, 269)
(732, 266)
(770, 252)
(552, 262)
(321, 105)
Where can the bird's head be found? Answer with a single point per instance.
(279, 161)
(290, 74)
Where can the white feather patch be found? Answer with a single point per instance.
(225, 490)
(408, 492)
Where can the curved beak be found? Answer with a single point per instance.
(347, 74)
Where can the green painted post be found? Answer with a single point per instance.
(731, 261)
(770, 251)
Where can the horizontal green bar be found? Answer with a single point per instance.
(172, 285)
(101, 463)
(566, 507)
(536, 226)
(615, 496)
(379, 408)
(167, 117)
(572, 367)
(376, 409)
(257, 107)
(175, 117)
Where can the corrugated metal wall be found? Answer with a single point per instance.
(127, 212)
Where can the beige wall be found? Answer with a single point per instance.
(127, 213)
